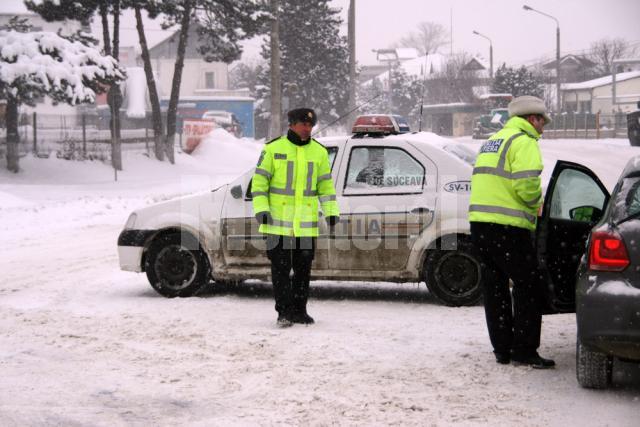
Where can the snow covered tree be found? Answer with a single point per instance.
(59, 10)
(314, 59)
(372, 97)
(42, 63)
(245, 75)
(517, 82)
(406, 95)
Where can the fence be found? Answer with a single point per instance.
(79, 136)
(586, 126)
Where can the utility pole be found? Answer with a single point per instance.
(276, 90)
(352, 59)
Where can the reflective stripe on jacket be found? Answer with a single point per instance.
(506, 184)
(289, 182)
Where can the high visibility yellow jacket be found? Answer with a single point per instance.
(289, 181)
(506, 185)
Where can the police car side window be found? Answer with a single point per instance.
(384, 170)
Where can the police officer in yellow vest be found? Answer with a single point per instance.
(506, 194)
(292, 178)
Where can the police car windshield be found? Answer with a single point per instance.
(464, 153)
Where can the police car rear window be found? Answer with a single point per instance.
(463, 152)
(627, 200)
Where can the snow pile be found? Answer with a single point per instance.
(224, 153)
(136, 93)
(8, 201)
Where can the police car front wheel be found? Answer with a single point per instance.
(175, 265)
(453, 276)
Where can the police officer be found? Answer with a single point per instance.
(506, 194)
(293, 176)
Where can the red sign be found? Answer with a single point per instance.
(192, 132)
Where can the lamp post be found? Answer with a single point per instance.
(490, 52)
(389, 56)
(528, 8)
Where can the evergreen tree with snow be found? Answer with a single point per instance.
(372, 97)
(314, 61)
(36, 64)
(517, 82)
(406, 95)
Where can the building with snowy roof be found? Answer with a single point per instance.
(596, 95)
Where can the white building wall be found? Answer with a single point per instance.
(193, 76)
(627, 92)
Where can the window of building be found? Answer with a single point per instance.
(585, 106)
(210, 80)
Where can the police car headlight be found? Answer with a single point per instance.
(131, 221)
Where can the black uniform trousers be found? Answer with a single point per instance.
(291, 291)
(508, 252)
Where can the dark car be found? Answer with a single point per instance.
(633, 126)
(608, 286)
(588, 250)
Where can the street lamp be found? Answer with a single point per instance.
(389, 56)
(528, 8)
(490, 52)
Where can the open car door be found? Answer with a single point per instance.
(574, 202)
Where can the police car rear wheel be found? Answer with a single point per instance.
(453, 277)
(174, 268)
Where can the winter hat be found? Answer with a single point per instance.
(302, 115)
(525, 105)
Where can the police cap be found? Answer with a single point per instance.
(302, 115)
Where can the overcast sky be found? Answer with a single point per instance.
(518, 36)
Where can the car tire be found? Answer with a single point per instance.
(176, 266)
(454, 276)
(593, 368)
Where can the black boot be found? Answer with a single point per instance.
(533, 359)
(302, 317)
(502, 358)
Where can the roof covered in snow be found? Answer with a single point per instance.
(602, 81)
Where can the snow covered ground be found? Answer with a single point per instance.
(83, 343)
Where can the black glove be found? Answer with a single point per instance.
(332, 220)
(264, 218)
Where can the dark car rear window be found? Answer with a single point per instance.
(627, 199)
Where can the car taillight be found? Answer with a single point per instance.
(608, 252)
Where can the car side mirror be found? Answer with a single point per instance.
(585, 213)
(236, 192)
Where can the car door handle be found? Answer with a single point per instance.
(420, 210)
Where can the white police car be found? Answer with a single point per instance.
(403, 199)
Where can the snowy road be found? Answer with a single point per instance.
(82, 343)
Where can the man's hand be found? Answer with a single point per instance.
(264, 217)
(332, 220)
